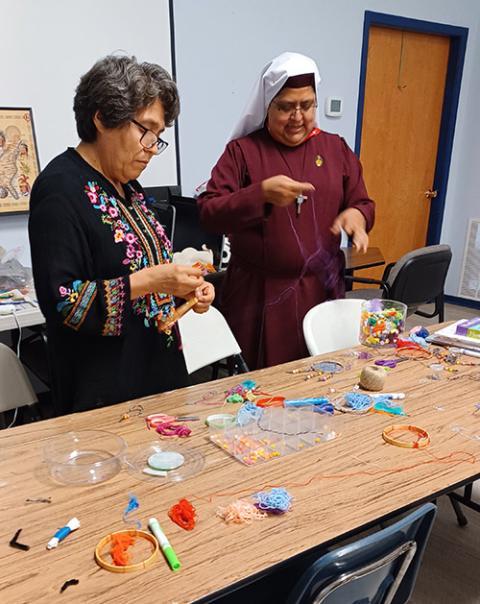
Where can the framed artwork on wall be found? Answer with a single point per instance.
(18, 159)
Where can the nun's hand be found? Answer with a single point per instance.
(283, 191)
(353, 222)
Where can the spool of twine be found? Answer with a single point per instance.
(373, 378)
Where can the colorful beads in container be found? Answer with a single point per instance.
(381, 322)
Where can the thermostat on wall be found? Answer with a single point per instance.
(333, 106)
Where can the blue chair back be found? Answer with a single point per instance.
(378, 569)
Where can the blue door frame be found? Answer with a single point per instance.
(458, 43)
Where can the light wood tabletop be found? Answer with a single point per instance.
(338, 486)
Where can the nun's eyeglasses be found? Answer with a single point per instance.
(149, 139)
(288, 108)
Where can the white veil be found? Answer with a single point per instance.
(271, 80)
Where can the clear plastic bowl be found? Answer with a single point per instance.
(84, 457)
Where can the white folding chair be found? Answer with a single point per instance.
(15, 387)
(332, 325)
(206, 339)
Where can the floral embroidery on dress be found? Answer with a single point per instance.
(143, 248)
(115, 302)
(76, 302)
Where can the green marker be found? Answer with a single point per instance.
(167, 549)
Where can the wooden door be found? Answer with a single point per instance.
(404, 91)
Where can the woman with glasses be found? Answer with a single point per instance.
(101, 260)
(282, 191)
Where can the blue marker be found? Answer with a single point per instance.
(72, 525)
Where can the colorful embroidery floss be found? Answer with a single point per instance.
(239, 512)
(183, 513)
(172, 429)
(275, 501)
(242, 392)
(119, 543)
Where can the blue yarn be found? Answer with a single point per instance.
(276, 500)
(358, 401)
(415, 337)
(247, 413)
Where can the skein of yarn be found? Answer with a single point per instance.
(372, 378)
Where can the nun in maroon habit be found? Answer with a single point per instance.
(282, 191)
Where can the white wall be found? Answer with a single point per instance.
(46, 45)
(222, 45)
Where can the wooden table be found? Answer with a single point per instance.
(355, 260)
(339, 487)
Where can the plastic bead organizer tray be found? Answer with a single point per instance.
(278, 432)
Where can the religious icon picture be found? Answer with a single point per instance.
(18, 159)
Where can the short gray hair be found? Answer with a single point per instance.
(117, 87)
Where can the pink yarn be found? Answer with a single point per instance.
(173, 429)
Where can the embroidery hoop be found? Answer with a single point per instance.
(129, 568)
(423, 438)
(413, 354)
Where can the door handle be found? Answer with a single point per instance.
(429, 194)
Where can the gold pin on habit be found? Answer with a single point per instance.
(318, 161)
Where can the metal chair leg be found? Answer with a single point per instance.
(461, 518)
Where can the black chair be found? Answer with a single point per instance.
(378, 569)
(416, 279)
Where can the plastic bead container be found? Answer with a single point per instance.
(381, 322)
(278, 432)
(84, 457)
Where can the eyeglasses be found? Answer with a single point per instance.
(289, 108)
(149, 139)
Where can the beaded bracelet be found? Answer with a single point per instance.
(423, 438)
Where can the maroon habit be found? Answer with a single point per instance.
(281, 264)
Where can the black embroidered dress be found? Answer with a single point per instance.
(85, 242)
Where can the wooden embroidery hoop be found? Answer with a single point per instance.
(423, 438)
(129, 568)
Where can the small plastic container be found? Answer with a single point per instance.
(276, 433)
(84, 457)
(381, 322)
